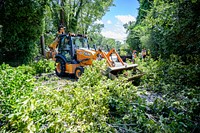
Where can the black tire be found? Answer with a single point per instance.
(60, 67)
(137, 81)
(78, 72)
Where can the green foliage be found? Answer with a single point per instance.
(78, 15)
(15, 84)
(134, 38)
(125, 50)
(43, 66)
(145, 5)
(102, 42)
(77, 107)
(136, 31)
(97, 104)
(170, 71)
(179, 85)
(176, 110)
(127, 109)
(38, 67)
(22, 27)
(168, 27)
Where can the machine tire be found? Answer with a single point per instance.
(60, 67)
(78, 72)
(137, 81)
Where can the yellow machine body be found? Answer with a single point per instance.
(70, 68)
(85, 56)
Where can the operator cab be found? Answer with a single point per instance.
(68, 46)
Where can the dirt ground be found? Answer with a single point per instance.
(52, 80)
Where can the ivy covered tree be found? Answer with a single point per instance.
(22, 25)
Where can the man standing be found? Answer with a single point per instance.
(144, 53)
(134, 55)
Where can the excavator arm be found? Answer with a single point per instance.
(108, 55)
(52, 47)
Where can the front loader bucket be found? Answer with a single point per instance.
(129, 71)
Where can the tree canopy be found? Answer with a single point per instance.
(164, 27)
(167, 27)
(24, 21)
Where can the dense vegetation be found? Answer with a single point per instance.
(98, 104)
(166, 100)
(23, 22)
(167, 27)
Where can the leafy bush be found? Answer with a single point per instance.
(76, 107)
(179, 85)
(171, 72)
(21, 30)
(38, 67)
(14, 85)
(97, 104)
(43, 66)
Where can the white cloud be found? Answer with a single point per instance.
(98, 22)
(114, 35)
(109, 22)
(125, 18)
(117, 30)
(117, 33)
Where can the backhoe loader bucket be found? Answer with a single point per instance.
(118, 68)
(129, 71)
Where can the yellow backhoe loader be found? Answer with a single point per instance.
(72, 53)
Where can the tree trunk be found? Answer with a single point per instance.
(42, 45)
(62, 14)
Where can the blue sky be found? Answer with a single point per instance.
(123, 12)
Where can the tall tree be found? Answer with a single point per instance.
(136, 30)
(22, 27)
(167, 27)
(174, 28)
(80, 14)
